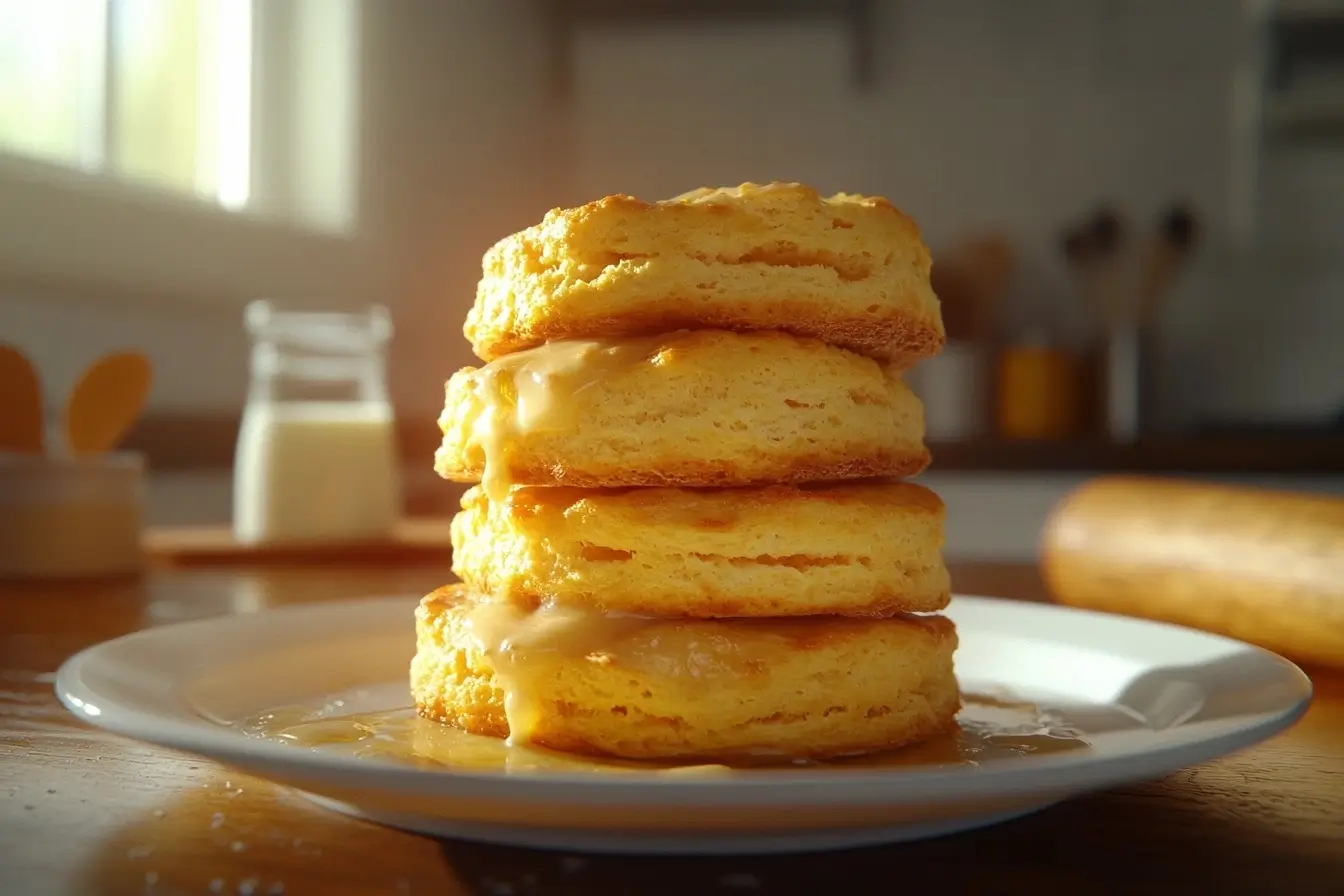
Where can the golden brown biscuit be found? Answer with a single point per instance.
(673, 688)
(863, 548)
(850, 270)
(695, 408)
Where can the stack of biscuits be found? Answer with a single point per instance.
(691, 538)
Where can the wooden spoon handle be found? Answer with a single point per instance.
(21, 414)
(106, 401)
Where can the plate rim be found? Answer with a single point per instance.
(1030, 775)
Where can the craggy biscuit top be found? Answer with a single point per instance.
(851, 270)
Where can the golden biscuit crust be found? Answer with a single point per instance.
(850, 270)
(695, 408)
(816, 688)
(857, 549)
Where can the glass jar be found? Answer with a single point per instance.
(317, 456)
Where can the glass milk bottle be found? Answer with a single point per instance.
(317, 455)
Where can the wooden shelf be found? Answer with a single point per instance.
(202, 442)
(564, 16)
(425, 541)
(1283, 454)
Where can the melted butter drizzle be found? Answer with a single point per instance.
(532, 391)
(989, 729)
(523, 647)
(518, 642)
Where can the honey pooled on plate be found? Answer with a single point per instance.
(989, 729)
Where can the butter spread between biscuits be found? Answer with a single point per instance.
(531, 392)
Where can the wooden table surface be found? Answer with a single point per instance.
(83, 812)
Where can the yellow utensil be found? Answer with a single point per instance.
(21, 417)
(105, 402)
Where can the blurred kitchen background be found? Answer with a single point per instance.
(162, 162)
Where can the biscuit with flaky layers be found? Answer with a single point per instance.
(696, 408)
(863, 548)
(675, 688)
(849, 270)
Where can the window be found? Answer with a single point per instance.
(155, 91)
(123, 121)
(50, 55)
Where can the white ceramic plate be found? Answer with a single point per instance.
(1181, 697)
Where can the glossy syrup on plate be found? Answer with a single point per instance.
(990, 728)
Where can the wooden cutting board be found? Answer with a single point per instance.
(420, 541)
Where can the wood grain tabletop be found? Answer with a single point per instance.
(85, 812)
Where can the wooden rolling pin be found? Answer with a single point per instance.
(1265, 567)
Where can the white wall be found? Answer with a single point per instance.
(468, 153)
(1018, 115)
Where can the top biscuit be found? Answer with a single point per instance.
(849, 270)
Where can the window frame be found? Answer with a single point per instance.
(65, 229)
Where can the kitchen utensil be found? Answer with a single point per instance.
(105, 402)
(1264, 566)
(1076, 245)
(1169, 248)
(1122, 345)
(1109, 245)
(21, 416)
(1094, 252)
(970, 280)
(1135, 299)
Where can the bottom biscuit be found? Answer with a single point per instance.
(647, 688)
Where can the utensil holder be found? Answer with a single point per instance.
(70, 517)
(1125, 362)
